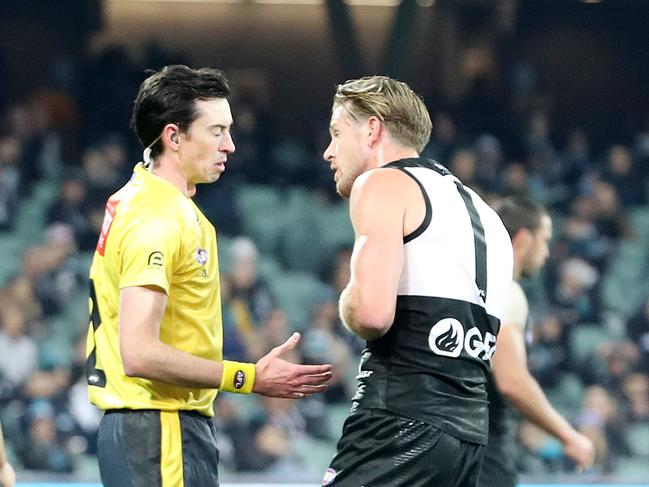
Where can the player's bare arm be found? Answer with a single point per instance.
(145, 355)
(514, 380)
(7, 474)
(377, 209)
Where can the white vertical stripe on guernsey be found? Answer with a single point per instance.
(441, 261)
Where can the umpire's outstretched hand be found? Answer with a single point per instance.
(276, 377)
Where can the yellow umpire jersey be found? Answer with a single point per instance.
(153, 235)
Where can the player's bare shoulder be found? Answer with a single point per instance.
(387, 182)
(517, 307)
(384, 189)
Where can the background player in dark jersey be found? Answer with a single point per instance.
(7, 474)
(530, 228)
(155, 338)
(429, 276)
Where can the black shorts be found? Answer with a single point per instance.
(152, 448)
(378, 449)
(498, 468)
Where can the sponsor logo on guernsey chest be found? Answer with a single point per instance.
(448, 338)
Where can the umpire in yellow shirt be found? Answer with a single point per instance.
(154, 347)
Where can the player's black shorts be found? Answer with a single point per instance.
(153, 448)
(379, 449)
(498, 468)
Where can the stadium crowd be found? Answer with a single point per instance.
(588, 336)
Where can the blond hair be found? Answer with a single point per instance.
(403, 112)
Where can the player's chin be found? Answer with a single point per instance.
(343, 190)
(213, 177)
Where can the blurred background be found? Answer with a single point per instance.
(539, 97)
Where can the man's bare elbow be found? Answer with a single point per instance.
(132, 366)
(373, 325)
(133, 361)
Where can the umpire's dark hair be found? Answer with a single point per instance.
(169, 95)
(518, 212)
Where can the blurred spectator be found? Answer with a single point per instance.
(582, 234)
(31, 123)
(43, 448)
(249, 446)
(256, 339)
(515, 180)
(482, 107)
(637, 329)
(237, 326)
(575, 296)
(575, 158)
(542, 157)
(19, 291)
(621, 359)
(288, 158)
(275, 329)
(108, 79)
(443, 140)
(96, 213)
(462, 165)
(489, 161)
(636, 397)
(246, 285)
(101, 178)
(610, 218)
(320, 177)
(9, 179)
(621, 172)
(50, 383)
(219, 204)
(113, 148)
(251, 162)
(45, 266)
(340, 271)
(547, 356)
(285, 415)
(24, 125)
(538, 183)
(320, 342)
(338, 276)
(71, 208)
(599, 420)
(86, 416)
(18, 351)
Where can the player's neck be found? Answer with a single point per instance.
(171, 173)
(391, 152)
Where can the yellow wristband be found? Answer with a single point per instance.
(238, 377)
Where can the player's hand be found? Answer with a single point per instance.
(580, 449)
(7, 475)
(276, 377)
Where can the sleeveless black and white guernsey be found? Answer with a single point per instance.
(433, 364)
